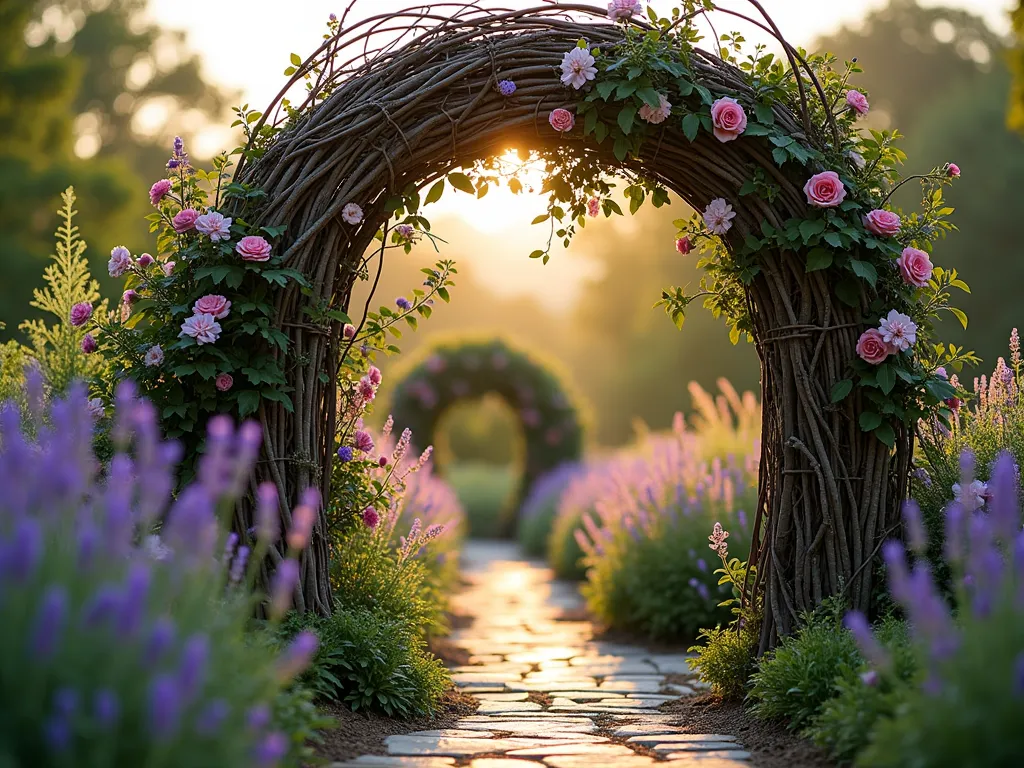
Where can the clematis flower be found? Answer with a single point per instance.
(578, 68)
(718, 216)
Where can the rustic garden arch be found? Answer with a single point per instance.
(399, 100)
(458, 369)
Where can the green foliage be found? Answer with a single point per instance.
(726, 657)
(564, 554)
(295, 714)
(846, 721)
(372, 660)
(484, 491)
(13, 359)
(799, 676)
(58, 347)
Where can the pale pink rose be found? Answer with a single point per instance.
(683, 245)
(728, 118)
(882, 222)
(622, 10)
(120, 261)
(953, 171)
(168, 268)
(214, 225)
(871, 347)
(825, 190)
(154, 356)
(159, 191)
(593, 207)
(561, 120)
(80, 314)
(578, 68)
(185, 220)
(659, 115)
(202, 327)
(223, 382)
(915, 267)
(352, 213)
(253, 248)
(212, 304)
(718, 216)
(146, 260)
(857, 101)
(898, 330)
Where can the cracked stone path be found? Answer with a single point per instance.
(550, 695)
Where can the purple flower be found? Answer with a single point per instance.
(23, 556)
(257, 718)
(106, 707)
(161, 638)
(212, 717)
(916, 536)
(238, 565)
(363, 441)
(49, 622)
(80, 313)
(192, 670)
(403, 303)
(297, 656)
(136, 595)
(271, 750)
(268, 526)
(164, 707)
(1018, 676)
(345, 453)
(286, 578)
(89, 344)
(506, 87)
(857, 623)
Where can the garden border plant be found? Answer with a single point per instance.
(802, 254)
(456, 369)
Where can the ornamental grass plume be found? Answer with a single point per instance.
(124, 606)
(965, 709)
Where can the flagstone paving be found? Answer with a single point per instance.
(604, 697)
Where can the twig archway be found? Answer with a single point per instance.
(399, 100)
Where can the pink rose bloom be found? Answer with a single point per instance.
(214, 225)
(184, 220)
(80, 314)
(168, 267)
(728, 118)
(120, 261)
(659, 115)
(374, 375)
(882, 222)
(253, 248)
(857, 101)
(146, 260)
(202, 327)
(352, 213)
(578, 67)
(683, 245)
(212, 304)
(718, 216)
(371, 518)
(89, 344)
(154, 356)
(223, 382)
(825, 190)
(621, 10)
(953, 171)
(915, 267)
(593, 207)
(871, 347)
(562, 120)
(898, 330)
(159, 191)
(366, 389)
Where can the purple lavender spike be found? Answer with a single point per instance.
(212, 717)
(267, 520)
(48, 627)
(25, 551)
(271, 750)
(859, 627)
(136, 593)
(194, 660)
(297, 656)
(106, 707)
(916, 536)
(101, 606)
(257, 718)
(164, 708)
(238, 565)
(161, 638)
(286, 579)
(1004, 508)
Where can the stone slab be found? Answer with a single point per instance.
(595, 751)
(392, 761)
(585, 761)
(704, 759)
(652, 738)
(692, 746)
(519, 696)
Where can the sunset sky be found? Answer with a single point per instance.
(246, 44)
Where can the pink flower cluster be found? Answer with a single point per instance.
(202, 325)
(895, 333)
(825, 190)
(562, 120)
(622, 10)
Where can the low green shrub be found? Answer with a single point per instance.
(799, 676)
(726, 658)
(369, 660)
(484, 491)
(537, 516)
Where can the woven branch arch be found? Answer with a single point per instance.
(408, 97)
(460, 369)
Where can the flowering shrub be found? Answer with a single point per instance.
(646, 541)
(123, 646)
(537, 514)
(965, 707)
(454, 370)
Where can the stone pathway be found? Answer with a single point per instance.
(551, 696)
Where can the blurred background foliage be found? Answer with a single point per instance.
(91, 91)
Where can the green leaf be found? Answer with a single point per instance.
(540, 219)
(869, 420)
(650, 96)
(295, 59)
(834, 239)
(626, 117)
(848, 290)
(884, 433)
(886, 378)
(764, 114)
(605, 88)
(691, 124)
(248, 402)
(959, 315)
(819, 258)
(461, 182)
(864, 270)
(841, 389)
(811, 227)
(435, 192)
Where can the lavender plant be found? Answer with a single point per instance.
(537, 515)
(965, 709)
(124, 609)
